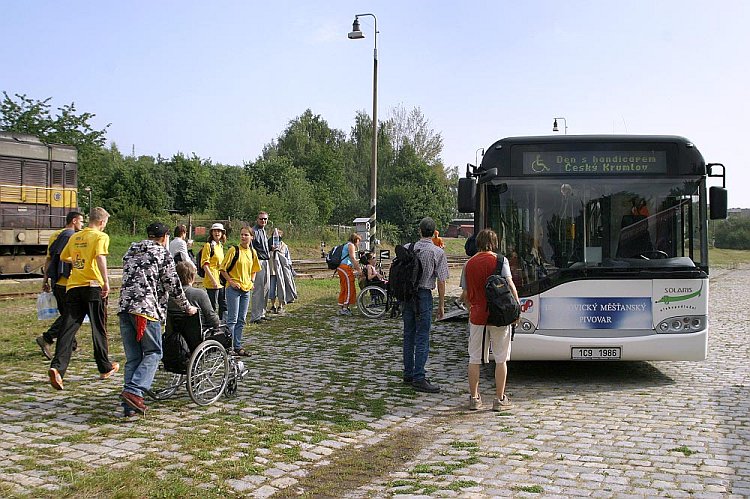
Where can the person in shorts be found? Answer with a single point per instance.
(477, 270)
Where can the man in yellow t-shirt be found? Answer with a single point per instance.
(56, 278)
(86, 294)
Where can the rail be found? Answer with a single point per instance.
(306, 269)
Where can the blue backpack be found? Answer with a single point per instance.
(334, 257)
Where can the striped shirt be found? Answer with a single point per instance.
(434, 263)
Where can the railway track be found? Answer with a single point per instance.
(306, 269)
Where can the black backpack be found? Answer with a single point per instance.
(231, 265)
(57, 268)
(334, 257)
(501, 304)
(405, 274)
(199, 268)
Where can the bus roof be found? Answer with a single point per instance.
(594, 139)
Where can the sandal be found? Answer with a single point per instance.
(242, 353)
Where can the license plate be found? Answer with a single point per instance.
(595, 353)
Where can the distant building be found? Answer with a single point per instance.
(460, 227)
(738, 212)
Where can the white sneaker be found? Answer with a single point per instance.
(475, 403)
(501, 404)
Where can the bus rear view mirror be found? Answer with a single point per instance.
(467, 193)
(717, 199)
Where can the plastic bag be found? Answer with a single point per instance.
(46, 306)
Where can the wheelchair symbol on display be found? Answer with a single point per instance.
(538, 166)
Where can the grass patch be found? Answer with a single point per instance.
(718, 257)
(444, 468)
(137, 479)
(458, 485)
(686, 451)
(351, 468)
(338, 423)
(459, 445)
(532, 489)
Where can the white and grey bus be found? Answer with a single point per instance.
(607, 241)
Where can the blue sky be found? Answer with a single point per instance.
(221, 79)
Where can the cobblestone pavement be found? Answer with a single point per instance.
(322, 384)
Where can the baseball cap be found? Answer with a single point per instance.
(157, 229)
(218, 226)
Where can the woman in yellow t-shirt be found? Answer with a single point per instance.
(238, 269)
(212, 255)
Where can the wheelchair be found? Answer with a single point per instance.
(374, 301)
(210, 371)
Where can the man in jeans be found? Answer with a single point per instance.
(417, 314)
(263, 277)
(149, 279)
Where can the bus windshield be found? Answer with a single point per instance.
(556, 225)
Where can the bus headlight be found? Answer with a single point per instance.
(686, 324)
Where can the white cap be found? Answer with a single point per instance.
(218, 226)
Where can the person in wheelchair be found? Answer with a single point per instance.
(370, 272)
(197, 297)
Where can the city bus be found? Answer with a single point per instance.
(607, 241)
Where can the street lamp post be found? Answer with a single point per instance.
(88, 191)
(476, 156)
(554, 125)
(356, 34)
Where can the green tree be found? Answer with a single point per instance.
(317, 150)
(134, 191)
(291, 197)
(359, 162)
(413, 128)
(732, 233)
(189, 183)
(412, 190)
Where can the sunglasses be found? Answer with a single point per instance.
(263, 218)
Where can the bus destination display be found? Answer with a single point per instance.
(594, 162)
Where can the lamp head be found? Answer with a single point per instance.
(356, 33)
(554, 126)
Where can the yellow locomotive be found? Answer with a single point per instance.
(38, 187)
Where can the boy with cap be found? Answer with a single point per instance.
(149, 279)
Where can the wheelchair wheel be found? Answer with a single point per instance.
(208, 372)
(372, 302)
(165, 384)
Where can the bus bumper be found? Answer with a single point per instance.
(542, 345)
